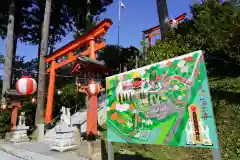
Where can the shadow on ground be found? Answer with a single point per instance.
(231, 97)
(118, 156)
(129, 157)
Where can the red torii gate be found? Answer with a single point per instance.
(149, 33)
(57, 59)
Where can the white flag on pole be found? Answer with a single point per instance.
(122, 5)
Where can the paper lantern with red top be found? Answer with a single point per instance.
(26, 85)
(3, 107)
(93, 88)
(34, 100)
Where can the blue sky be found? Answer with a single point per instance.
(136, 17)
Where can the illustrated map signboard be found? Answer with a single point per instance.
(163, 103)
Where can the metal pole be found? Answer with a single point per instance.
(119, 16)
(216, 154)
(136, 59)
(110, 151)
(110, 148)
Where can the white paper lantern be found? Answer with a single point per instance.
(93, 88)
(26, 85)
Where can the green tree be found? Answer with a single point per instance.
(9, 50)
(235, 2)
(112, 58)
(212, 29)
(64, 83)
(20, 9)
(60, 23)
(85, 11)
(20, 68)
(66, 16)
(14, 14)
(3, 18)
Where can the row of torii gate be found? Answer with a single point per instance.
(154, 31)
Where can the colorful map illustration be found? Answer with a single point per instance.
(164, 103)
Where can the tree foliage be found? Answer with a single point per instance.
(69, 97)
(213, 28)
(113, 55)
(3, 18)
(60, 23)
(23, 68)
(21, 16)
(79, 9)
(66, 16)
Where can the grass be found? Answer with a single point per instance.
(160, 152)
(157, 152)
